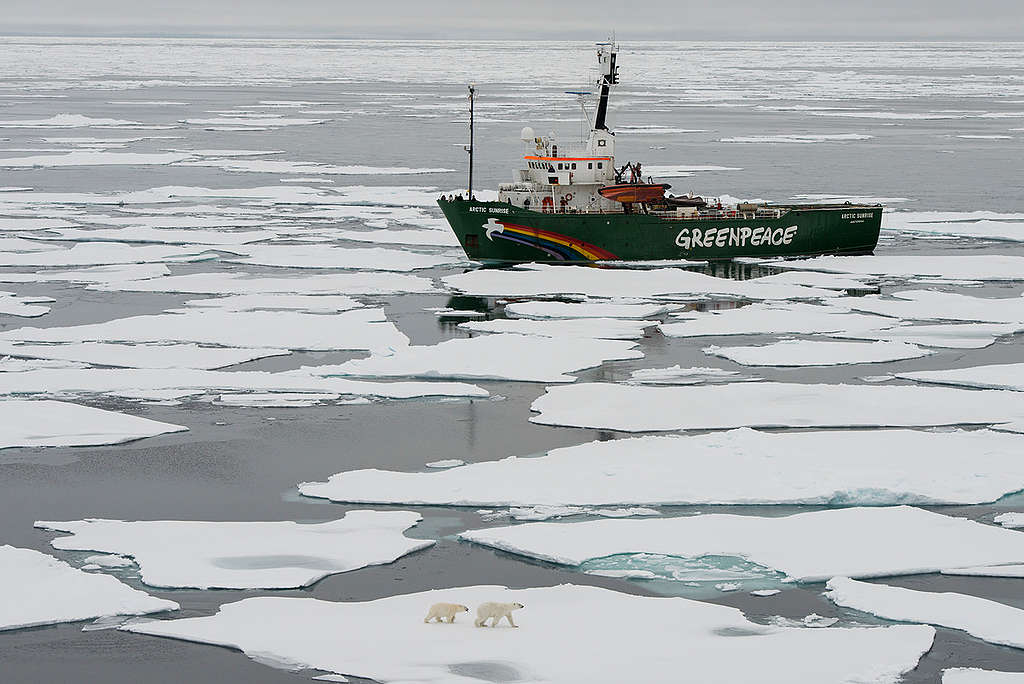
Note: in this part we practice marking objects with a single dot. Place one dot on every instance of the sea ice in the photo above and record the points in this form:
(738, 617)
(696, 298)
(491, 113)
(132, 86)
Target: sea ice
(425, 237)
(1010, 519)
(594, 328)
(160, 384)
(276, 399)
(983, 267)
(588, 309)
(817, 353)
(221, 283)
(116, 273)
(93, 158)
(140, 355)
(808, 547)
(503, 356)
(278, 302)
(43, 423)
(943, 306)
(972, 675)
(975, 224)
(1006, 376)
(950, 336)
(989, 621)
(798, 138)
(71, 121)
(633, 408)
(165, 236)
(676, 375)
(320, 256)
(12, 304)
(246, 555)
(29, 224)
(40, 590)
(534, 280)
(773, 318)
(387, 641)
(988, 571)
(739, 467)
(108, 561)
(361, 329)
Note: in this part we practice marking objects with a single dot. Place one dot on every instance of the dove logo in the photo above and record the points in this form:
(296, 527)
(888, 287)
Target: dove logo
(491, 227)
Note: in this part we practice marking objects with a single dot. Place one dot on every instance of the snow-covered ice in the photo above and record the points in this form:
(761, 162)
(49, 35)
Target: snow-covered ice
(975, 224)
(996, 623)
(278, 302)
(92, 158)
(246, 555)
(221, 283)
(983, 267)
(363, 329)
(140, 355)
(743, 467)
(798, 138)
(503, 356)
(40, 590)
(817, 353)
(973, 675)
(676, 375)
(946, 335)
(426, 237)
(595, 328)
(808, 547)
(1006, 376)
(386, 640)
(634, 408)
(164, 236)
(773, 318)
(1015, 570)
(13, 304)
(320, 256)
(25, 423)
(161, 384)
(944, 306)
(1011, 519)
(588, 309)
(106, 253)
(277, 399)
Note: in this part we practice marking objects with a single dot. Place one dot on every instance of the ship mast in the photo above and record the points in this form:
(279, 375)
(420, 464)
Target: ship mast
(606, 53)
(472, 97)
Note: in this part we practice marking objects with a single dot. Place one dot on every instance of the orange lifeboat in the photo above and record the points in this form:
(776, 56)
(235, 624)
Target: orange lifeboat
(628, 193)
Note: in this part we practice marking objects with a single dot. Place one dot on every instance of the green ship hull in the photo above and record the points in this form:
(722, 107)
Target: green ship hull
(501, 232)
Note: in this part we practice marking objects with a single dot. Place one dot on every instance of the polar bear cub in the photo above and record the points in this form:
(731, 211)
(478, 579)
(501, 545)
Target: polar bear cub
(440, 611)
(494, 612)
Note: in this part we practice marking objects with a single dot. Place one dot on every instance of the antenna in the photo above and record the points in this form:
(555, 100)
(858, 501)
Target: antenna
(581, 98)
(472, 98)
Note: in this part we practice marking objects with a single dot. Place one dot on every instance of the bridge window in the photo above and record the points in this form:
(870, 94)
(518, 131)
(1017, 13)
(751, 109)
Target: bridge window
(574, 166)
(600, 165)
(590, 165)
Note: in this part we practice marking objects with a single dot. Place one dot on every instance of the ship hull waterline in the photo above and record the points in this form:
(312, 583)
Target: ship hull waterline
(502, 233)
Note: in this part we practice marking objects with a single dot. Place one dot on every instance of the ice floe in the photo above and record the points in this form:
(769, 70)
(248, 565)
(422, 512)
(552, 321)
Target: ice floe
(975, 224)
(160, 384)
(818, 353)
(596, 328)
(46, 423)
(29, 223)
(503, 356)
(116, 273)
(387, 641)
(140, 355)
(93, 158)
(363, 328)
(534, 280)
(221, 283)
(165, 236)
(873, 467)
(774, 318)
(982, 267)
(996, 623)
(807, 547)
(106, 253)
(1010, 519)
(798, 138)
(41, 590)
(13, 304)
(932, 305)
(632, 408)
(278, 399)
(319, 256)
(973, 675)
(254, 123)
(676, 375)
(281, 166)
(589, 309)
(425, 237)
(71, 121)
(1016, 570)
(278, 302)
(246, 555)
(1005, 376)
(950, 336)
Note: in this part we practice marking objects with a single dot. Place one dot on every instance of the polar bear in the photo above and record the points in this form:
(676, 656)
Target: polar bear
(440, 611)
(494, 612)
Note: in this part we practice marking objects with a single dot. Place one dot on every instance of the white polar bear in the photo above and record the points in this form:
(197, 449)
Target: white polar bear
(495, 611)
(440, 611)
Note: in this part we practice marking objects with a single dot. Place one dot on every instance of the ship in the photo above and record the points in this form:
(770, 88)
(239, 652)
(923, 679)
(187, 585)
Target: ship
(571, 203)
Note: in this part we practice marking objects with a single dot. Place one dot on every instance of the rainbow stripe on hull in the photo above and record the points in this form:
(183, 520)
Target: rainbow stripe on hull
(559, 247)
